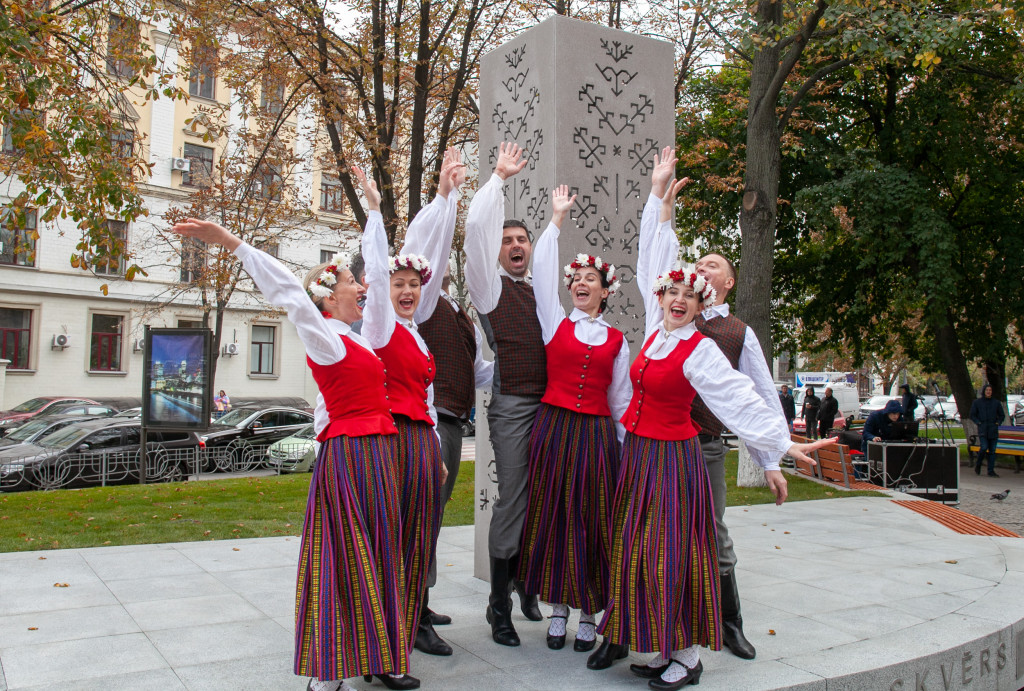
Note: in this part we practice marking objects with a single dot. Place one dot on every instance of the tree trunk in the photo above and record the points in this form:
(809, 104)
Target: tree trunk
(421, 79)
(748, 473)
(955, 365)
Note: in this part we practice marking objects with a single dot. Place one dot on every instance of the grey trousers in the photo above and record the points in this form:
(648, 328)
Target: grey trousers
(714, 459)
(451, 454)
(510, 419)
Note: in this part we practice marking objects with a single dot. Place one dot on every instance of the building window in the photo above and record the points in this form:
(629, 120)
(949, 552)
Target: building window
(15, 335)
(23, 122)
(18, 240)
(262, 353)
(269, 183)
(272, 98)
(327, 255)
(105, 343)
(202, 74)
(113, 263)
(200, 173)
(332, 194)
(193, 260)
(122, 143)
(122, 40)
(190, 324)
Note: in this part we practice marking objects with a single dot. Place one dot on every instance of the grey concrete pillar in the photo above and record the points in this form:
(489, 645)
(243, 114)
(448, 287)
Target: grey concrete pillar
(591, 106)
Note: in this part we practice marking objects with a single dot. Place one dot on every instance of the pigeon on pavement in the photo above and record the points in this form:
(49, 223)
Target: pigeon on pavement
(1001, 495)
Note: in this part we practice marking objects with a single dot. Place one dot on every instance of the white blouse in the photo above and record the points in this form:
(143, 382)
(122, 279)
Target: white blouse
(547, 281)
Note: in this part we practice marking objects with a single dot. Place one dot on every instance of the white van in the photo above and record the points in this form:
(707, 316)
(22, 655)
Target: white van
(846, 397)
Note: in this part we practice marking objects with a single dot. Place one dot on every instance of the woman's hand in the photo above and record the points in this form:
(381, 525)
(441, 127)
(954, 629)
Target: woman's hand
(561, 203)
(800, 451)
(664, 170)
(369, 189)
(668, 201)
(453, 173)
(444, 473)
(207, 231)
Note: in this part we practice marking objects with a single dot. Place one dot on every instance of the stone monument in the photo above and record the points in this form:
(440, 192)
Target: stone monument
(590, 106)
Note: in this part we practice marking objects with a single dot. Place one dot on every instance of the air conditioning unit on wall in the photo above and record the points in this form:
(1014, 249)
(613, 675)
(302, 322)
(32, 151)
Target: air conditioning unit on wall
(182, 164)
(61, 341)
(138, 345)
(231, 349)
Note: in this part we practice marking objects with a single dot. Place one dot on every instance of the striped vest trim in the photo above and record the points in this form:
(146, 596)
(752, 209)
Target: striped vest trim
(728, 333)
(452, 341)
(514, 335)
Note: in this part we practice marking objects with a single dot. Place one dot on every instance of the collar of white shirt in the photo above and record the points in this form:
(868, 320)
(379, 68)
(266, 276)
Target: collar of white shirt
(451, 301)
(579, 315)
(717, 311)
(407, 322)
(683, 333)
(528, 278)
(339, 327)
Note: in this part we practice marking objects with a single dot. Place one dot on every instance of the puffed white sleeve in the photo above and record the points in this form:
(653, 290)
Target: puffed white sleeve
(731, 397)
(378, 312)
(282, 289)
(658, 249)
(753, 364)
(483, 244)
(430, 234)
(620, 391)
(483, 369)
(547, 278)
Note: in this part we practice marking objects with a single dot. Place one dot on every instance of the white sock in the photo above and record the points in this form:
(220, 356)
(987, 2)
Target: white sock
(689, 657)
(317, 685)
(657, 661)
(559, 613)
(587, 630)
(675, 672)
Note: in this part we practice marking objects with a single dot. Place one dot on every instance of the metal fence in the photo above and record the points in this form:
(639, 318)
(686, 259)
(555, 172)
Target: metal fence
(58, 470)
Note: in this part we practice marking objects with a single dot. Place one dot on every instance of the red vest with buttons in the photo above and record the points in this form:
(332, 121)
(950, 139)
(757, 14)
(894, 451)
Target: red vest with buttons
(408, 373)
(579, 374)
(353, 390)
(662, 397)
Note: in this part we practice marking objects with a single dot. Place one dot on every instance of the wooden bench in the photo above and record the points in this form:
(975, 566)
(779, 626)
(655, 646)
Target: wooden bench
(835, 465)
(1011, 442)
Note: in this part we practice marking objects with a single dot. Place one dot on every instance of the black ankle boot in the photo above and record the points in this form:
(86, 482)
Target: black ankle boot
(499, 604)
(427, 640)
(530, 604)
(732, 622)
(605, 656)
(406, 681)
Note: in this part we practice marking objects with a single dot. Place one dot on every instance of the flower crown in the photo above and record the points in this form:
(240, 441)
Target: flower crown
(606, 269)
(324, 283)
(416, 262)
(689, 277)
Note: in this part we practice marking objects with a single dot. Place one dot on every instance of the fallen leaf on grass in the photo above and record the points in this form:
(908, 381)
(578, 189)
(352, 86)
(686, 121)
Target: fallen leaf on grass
(207, 532)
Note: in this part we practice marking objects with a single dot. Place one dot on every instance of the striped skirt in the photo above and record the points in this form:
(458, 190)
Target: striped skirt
(664, 591)
(418, 474)
(349, 611)
(566, 545)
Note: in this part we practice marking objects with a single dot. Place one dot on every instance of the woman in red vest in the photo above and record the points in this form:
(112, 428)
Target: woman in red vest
(574, 446)
(350, 608)
(393, 295)
(664, 589)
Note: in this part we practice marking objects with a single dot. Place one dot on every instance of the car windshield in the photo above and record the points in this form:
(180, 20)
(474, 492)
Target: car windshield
(65, 438)
(131, 412)
(878, 400)
(234, 417)
(31, 406)
(306, 432)
(27, 430)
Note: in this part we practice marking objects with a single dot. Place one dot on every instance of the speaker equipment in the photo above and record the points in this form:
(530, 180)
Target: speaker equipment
(927, 469)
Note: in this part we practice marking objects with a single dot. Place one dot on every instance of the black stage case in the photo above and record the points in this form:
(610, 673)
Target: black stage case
(930, 470)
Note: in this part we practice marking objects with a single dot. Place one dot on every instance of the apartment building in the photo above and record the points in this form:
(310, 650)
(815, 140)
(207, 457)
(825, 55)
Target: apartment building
(62, 336)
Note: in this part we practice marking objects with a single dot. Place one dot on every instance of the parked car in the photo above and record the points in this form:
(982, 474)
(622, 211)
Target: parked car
(96, 452)
(946, 410)
(131, 414)
(294, 454)
(79, 409)
(1018, 413)
(238, 441)
(37, 428)
(846, 396)
(9, 419)
(878, 402)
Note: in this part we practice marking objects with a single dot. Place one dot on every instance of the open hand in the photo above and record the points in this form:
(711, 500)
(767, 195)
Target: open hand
(510, 160)
(561, 203)
(668, 201)
(800, 451)
(369, 189)
(453, 173)
(207, 231)
(664, 170)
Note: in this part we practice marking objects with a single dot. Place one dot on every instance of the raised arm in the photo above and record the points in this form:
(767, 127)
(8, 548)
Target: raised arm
(484, 229)
(378, 313)
(659, 246)
(547, 274)
(278, 285)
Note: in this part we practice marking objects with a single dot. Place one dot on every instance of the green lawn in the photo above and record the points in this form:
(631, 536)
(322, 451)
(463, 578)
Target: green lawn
(230, 508)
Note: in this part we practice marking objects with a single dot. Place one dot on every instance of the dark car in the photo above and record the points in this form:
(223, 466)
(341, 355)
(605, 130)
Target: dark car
(39, 427)
(9, 419)
(79, 409)
(96, 452)
(238, 441)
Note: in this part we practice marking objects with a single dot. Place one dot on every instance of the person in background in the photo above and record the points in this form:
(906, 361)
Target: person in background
(827, 413)
(788, 406)
(878, 426)
(908, 401)
(222, 404)
(810, 413)
(987, 414)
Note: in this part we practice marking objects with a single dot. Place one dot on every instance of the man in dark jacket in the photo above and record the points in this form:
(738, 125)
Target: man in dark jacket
(827, 413)
(909, 402)
(987, 414)
(788, 406)
(878, 426)
(810, 413)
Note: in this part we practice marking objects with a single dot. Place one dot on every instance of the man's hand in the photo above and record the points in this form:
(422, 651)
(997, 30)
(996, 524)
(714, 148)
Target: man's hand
(561, 203)
(444, 473)
(510, 160)
(777, 484)
(664, 170)
(369, 189)
(800, 451)
(207, 231)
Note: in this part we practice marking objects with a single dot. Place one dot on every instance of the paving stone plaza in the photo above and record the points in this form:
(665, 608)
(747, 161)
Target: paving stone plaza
(854, 593)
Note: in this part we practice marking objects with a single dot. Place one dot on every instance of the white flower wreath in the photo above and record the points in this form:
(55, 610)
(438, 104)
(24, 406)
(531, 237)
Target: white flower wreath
(416, 262)
(584, 260)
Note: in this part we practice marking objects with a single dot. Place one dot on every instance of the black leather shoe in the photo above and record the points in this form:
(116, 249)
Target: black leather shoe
(992, 475)
(692, 677)
(406, 681)
(582, 646)
(732, 622)
(438, 619)
(646, 671)
(530, 604)
(556, 642)
(605, 656)
(499, 605)
(427, 640)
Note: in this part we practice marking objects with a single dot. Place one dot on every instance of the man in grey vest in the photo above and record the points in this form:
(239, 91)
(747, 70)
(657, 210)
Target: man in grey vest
(739, 344)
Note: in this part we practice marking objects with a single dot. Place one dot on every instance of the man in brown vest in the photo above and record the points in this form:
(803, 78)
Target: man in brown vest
(497, 276)
(739, 344)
